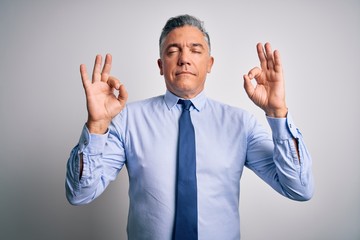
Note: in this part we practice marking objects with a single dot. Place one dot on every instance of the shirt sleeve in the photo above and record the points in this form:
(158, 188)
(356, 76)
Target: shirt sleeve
(103, 157)
(277, 162)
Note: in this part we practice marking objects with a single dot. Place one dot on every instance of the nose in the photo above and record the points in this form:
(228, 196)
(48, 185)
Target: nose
(184, 58)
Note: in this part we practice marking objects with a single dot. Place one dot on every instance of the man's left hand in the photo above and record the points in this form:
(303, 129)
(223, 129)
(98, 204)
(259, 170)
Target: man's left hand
(269, 91)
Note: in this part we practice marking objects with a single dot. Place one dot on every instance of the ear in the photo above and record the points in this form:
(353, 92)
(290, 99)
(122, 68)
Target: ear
(160, 64)
(210, 64)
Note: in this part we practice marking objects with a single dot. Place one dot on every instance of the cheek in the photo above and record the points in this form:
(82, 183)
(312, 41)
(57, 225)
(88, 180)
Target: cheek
(168, 69)
(167, 73)
(204, 69)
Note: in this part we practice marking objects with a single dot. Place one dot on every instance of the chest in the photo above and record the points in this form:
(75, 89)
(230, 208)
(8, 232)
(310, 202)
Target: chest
(151, 147)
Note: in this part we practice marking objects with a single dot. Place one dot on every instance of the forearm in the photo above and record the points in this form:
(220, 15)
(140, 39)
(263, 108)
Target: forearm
(282, 113)
(79, 190)
(283, 160)
(292, 161)
(293, 172)
(91, 166)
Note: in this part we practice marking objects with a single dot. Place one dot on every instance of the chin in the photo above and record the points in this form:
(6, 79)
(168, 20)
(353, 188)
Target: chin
(187, 92)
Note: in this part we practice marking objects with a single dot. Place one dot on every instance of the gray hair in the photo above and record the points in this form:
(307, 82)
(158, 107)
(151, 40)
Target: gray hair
(180, 21)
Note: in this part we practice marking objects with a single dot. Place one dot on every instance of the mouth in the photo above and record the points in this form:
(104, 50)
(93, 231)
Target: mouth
(184, 73)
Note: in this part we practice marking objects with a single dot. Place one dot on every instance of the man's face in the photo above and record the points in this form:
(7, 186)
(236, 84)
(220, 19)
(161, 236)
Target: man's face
(185, 61)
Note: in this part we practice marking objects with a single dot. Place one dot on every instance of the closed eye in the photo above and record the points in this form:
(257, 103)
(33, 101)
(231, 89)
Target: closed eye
(196, 51)
(172, 49)
(197, 48)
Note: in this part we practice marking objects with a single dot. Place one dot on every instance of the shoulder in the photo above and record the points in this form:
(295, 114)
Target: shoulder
(214, 105)
(144, 105)
(144, 108)
(227, 115)
(138, 110)
(145, 102)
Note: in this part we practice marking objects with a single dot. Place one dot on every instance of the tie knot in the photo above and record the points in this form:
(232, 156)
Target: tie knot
(185, 103)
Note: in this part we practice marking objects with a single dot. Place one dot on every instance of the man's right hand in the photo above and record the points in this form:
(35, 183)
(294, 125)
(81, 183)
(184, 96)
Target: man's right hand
(102, 103)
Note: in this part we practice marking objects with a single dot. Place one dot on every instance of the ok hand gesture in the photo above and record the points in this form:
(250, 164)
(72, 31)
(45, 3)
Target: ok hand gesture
(102, 103)
(269, 91)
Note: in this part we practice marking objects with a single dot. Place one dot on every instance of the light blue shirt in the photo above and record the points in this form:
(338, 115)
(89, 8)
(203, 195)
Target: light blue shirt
(144, 138)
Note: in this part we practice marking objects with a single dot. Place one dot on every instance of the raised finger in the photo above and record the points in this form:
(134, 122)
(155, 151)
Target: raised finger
(269, 56)
(106, 69)
(97, 69)
(84, 75)
(262, 56)
(277, 61)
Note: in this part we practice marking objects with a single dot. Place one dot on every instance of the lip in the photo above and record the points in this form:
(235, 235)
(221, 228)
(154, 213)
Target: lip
(183, 73)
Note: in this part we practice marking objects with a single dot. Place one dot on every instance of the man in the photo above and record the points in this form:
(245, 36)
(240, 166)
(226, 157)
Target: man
(146, 137)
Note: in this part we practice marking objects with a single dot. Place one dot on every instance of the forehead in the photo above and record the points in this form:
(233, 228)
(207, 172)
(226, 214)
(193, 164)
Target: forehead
(184, 35)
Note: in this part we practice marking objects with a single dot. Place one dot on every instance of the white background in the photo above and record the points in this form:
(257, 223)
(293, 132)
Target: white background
(42, 106)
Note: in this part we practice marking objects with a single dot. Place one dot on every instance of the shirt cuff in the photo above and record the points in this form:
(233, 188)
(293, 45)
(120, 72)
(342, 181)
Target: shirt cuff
(283, 128)
(92, 144)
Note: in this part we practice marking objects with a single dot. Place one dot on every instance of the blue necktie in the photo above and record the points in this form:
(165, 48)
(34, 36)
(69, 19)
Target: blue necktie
(186, 220)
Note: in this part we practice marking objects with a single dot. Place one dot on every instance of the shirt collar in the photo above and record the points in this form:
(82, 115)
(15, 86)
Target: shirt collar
(198, 101)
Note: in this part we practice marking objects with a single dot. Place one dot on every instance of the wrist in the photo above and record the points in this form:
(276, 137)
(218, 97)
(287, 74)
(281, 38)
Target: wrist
(277, 113)
(97, 127)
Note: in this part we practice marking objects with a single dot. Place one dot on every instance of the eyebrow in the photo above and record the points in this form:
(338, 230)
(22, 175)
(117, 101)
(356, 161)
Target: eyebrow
(197, 45)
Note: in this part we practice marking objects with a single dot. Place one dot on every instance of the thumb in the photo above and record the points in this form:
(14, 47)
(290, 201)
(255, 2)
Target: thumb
(248, 86)
(123, 95)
